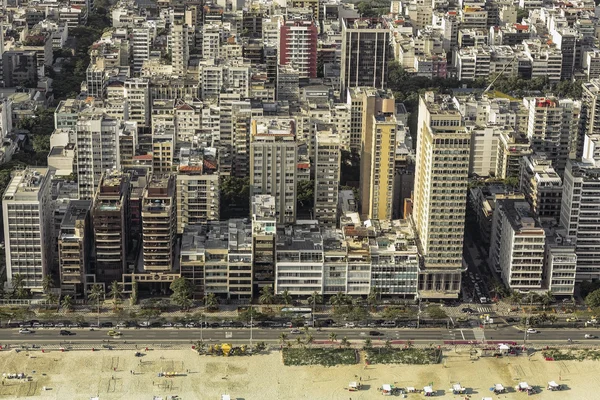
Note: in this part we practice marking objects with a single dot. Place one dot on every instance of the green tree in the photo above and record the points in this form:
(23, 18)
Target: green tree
(266, 295)
(547, 298)
(388, 344)
(286, 297)
(436, 312)
(305, 195)
(234, 196)
(133, 298)
(67, 303)
(339, 299)
(368, 344)
(116, 292)
(211, 301)
(593, 299)
(96, 296)
(345, 342)
(332, 337)
(18, 285)
(47, 284)
(309, 339)
(283, 338)
(182, 293)
(516, 297)
(373, 297)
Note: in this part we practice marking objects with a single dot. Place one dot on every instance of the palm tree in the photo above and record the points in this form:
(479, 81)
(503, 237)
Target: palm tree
(515, 297)
(211, 301)
(532, 297)
(266, 295)
(333, 337)
(338, 299)
(388, 344)
(368, 344)
(345, 342)
(547, 299)
(47, 284)
(309, 339)
(200, 346)
(315, 298)
(18, 284)
(67, 303)
(96, 295)
(116, 291)
(286, 297)
(299, 342)
(373, 297)
(283, 338)
(51, 298)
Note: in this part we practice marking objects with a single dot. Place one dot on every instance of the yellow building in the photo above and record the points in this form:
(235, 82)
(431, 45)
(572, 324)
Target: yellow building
(383, 145)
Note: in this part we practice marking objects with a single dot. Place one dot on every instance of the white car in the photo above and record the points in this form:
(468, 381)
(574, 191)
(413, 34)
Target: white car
(531, 330)
(588, 336)
(25, 331)
(350, 325)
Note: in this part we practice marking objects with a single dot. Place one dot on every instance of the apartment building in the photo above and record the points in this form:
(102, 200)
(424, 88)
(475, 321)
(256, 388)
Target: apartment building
(273, 157)
(97, 140)
(197, 190)
(159, 224)
(542, 187)
(484, 150)
(561, 264)
(298, 46)
(590, 112)
(512, 147)
(442, 168)
(365, 53)
(74, 248)
(180, 51)
(299, 259)
(264, 229)
(140, 46)
(554, 128)
(110, 222)
(27, 218)
(579, 215)
(383, 158)
(327, 177)
(517, 245)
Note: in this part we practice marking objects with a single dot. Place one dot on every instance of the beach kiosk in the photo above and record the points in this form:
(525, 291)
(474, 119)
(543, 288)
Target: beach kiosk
(553, 386)
(386, 389)
(524, 387)
(354, 386)
(499, 389)
(428, 390)
(458, 389)
(225, 397)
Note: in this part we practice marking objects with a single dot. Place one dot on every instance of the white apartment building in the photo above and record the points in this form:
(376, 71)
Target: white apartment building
(97, 146)
(140, 46)
(180, 51)
(546, 60)
(517, 245)
(580, 215)
(561, 265)
(327, 177)
(299, 259)
(554, 128)
(211, 41)
(27, 218)
(273, 157)
(542, 187)
(484, 150)
(137, 93)
(440, 191)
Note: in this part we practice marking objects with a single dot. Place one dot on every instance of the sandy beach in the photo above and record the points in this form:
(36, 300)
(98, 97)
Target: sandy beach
(108, 374)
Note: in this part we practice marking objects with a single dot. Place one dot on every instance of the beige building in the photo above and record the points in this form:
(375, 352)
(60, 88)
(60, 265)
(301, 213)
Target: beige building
(440, 191)
(383, 151)
(327, 177)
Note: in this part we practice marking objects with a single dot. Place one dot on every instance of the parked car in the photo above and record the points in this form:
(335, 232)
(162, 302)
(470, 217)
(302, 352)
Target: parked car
(350, 325)
(572, 319)
(106, 325)
(121, 325)
(167, 325)
(178, 325)
(59, 325)
(388, 324)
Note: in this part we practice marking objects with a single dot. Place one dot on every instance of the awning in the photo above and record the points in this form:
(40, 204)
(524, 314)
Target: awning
(386, 387)
(428, 389)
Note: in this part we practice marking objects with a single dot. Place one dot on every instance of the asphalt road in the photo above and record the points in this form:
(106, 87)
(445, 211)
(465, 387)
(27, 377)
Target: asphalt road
(174, 335)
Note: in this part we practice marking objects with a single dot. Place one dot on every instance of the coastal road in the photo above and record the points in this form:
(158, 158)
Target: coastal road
(174, 335)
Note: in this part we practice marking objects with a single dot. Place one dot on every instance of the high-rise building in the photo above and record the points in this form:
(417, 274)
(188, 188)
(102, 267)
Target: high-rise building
(298, 46)
(159, 224)
(542, 187)
(110, 219)
(74, 247)
(442, 167)
(327, 177)
(97, 149)
(140, 46)
(517, 245)
(365, 53)
(27, 217)
(180, 51)
(264, 228)
(197, 190)
(383, 159)
(554, 128)
(590, 112)
(274, 157)
(580, 216)
(374, 103)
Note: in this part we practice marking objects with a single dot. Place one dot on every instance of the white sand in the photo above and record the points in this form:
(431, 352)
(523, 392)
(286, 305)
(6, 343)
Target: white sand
(83, 374)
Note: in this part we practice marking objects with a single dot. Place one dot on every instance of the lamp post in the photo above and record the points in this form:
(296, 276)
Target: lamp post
(251, 324)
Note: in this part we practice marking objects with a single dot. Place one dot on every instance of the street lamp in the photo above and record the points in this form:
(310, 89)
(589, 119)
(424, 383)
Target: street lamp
(251, 324)
(419, 314)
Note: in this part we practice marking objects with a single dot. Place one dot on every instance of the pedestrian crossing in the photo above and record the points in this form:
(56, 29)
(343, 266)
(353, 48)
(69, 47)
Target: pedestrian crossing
(484, 309)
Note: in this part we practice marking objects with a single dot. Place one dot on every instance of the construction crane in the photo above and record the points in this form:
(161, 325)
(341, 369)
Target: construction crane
(487, 89)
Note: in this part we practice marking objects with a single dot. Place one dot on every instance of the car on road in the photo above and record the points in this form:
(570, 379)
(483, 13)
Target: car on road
(66, 333)
(350, 325)
(467, 310)
(25, 331)
(295, 331)
(589, 336)
(113, 333)
(531, 330)
(462, 319)
(572, 319)
(376, 333)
